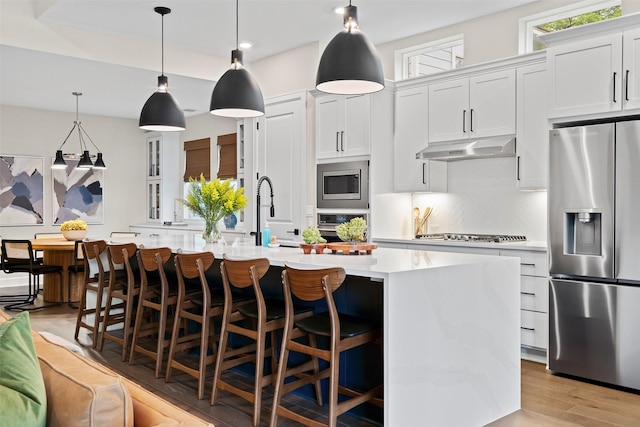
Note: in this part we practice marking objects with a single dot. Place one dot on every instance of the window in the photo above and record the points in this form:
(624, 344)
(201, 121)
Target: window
(440, 55)
(228, 156)
(581, 13)
(198, 156)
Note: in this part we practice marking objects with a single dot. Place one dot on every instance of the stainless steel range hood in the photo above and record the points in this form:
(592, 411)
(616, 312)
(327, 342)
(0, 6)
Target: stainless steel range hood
(479, 148)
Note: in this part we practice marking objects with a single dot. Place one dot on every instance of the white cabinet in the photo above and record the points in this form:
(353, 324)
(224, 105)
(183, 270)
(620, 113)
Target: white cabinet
(343, 126)
(534, 302)
(595, 75)
(532, 130)
(411, 132)
(279, 154)
(473, 107)
(162, 177)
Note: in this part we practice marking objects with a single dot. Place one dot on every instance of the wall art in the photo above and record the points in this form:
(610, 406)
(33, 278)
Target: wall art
(77, 194)
(21, 190)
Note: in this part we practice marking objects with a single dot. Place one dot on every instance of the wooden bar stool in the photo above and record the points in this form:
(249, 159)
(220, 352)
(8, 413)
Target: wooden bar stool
(199, 303)
(95, 280)
(157, 296)
(255, 321)
(124, 285)
(344, 332)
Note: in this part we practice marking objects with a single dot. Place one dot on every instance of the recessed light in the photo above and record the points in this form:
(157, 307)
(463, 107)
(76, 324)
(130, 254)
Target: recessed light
(245, 45)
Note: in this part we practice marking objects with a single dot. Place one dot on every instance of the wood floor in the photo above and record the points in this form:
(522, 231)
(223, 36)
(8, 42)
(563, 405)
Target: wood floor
(547, 400)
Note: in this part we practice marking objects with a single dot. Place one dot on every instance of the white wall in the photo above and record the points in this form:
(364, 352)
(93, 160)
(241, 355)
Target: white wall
(33, 132)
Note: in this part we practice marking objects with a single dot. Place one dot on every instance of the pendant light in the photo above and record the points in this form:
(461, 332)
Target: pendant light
(161, 112)
(350, 63)
(85, 158)
(237, 93)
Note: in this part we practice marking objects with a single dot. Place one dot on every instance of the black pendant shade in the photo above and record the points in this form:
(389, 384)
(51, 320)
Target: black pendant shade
(162, 112)
(350, 63)
(237, 93)
(85, 161)
(59, 162)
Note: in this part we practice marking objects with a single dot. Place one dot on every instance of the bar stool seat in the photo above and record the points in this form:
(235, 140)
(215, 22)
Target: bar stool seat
(345, 332)
(96, 281)
(254, 321)
(200, 307)
(124, 285)
(158, 296)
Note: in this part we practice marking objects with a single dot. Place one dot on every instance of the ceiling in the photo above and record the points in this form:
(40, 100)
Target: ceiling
(35, 77)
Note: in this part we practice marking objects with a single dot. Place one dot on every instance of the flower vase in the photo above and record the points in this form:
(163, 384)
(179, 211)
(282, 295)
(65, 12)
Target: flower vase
(211, 232)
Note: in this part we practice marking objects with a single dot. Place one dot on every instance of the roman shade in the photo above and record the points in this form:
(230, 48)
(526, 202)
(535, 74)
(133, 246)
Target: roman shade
(227, 165)
(198, 155)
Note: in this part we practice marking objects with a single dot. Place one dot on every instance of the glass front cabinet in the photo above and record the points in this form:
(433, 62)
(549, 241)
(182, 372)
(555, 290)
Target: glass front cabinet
(162, 177)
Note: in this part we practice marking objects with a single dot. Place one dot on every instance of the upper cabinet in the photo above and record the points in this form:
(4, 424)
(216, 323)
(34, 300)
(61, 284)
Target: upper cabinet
(532, 133)
(162, 176)
(473, 107)
(343, 124)
(411, 133)
(595, 69)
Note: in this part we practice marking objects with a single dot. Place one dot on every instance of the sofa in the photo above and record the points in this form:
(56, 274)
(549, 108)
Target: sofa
(64, 388)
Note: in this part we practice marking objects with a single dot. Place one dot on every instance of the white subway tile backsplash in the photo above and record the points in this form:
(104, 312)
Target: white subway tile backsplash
(483, 198)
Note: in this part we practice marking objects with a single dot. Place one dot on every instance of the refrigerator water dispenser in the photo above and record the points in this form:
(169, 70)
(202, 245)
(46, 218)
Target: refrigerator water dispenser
(583, 233)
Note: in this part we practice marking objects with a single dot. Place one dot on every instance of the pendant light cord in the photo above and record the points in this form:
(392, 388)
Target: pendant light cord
(237, 37)
(162, 44)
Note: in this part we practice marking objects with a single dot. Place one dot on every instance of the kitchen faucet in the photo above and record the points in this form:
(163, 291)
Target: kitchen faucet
(272, 211)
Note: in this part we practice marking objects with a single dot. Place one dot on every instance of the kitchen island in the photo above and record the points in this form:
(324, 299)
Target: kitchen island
(451, 326)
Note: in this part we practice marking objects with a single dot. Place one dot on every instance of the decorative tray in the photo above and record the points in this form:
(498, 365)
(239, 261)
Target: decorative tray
(351, 248)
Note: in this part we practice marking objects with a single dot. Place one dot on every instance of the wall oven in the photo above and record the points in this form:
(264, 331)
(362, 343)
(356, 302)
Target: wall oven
(328, 223)
(343, 185)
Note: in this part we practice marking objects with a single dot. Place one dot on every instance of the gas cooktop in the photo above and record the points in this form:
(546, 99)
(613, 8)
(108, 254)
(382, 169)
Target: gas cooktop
(461, 237)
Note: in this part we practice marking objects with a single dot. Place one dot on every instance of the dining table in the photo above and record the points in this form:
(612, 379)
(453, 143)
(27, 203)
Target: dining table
(58, 251)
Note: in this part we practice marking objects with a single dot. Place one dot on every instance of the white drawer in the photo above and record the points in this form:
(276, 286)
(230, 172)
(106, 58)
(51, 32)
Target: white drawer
(534, 293)
(531, 263)
(534, 331)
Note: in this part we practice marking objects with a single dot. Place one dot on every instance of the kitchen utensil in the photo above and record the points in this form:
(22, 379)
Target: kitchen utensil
(416, 219)
(422, 221)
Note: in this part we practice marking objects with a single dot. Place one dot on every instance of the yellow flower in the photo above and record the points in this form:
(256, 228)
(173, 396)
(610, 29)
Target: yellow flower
(75, 224)
(213, 200)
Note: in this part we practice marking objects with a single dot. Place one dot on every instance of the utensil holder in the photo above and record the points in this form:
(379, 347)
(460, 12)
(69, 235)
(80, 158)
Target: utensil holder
(420, 226)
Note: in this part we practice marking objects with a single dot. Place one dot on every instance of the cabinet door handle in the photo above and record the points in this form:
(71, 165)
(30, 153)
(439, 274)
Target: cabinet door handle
(423, 174)
(533, 294)
(295, 231)
(342, 141)
(471, 121)
(337, 141)
(626, 86)
(527, 329)
(528, 264)
(518, 168)
(614, 86)
(464, 121)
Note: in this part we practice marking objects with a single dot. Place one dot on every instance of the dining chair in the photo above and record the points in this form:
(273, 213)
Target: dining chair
(121, 234)
(255, 320)
(18, 256)
(344, 332)
(46, 236)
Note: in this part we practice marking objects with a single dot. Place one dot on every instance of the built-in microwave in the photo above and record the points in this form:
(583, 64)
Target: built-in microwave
(343, 185)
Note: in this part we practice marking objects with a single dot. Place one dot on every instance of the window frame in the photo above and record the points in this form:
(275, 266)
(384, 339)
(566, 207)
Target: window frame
(402, 55)
(526, 23)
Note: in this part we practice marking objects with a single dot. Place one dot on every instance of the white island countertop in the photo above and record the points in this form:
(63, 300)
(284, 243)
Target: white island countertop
(451, 326)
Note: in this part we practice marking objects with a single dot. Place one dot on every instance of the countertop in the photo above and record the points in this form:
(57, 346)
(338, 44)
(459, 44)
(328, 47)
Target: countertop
(540, 246)
(380, 263)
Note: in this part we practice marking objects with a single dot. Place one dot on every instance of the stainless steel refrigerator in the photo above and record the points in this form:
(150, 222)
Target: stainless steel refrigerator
(594, 252)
